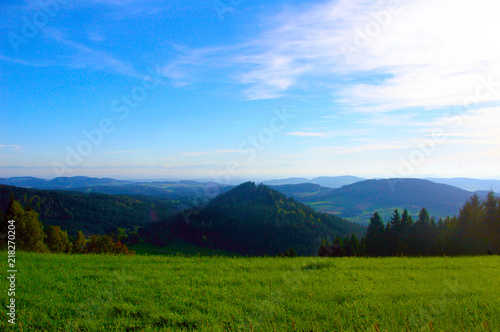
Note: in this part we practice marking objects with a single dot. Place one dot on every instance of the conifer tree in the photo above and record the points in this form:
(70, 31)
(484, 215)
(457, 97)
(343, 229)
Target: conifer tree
(375, 236)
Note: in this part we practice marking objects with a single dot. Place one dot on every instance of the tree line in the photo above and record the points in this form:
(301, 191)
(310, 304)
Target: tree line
(475, 231)
(30, 235)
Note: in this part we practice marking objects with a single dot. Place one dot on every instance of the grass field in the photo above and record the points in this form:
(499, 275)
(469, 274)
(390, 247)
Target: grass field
(57, 292)
(177, 247)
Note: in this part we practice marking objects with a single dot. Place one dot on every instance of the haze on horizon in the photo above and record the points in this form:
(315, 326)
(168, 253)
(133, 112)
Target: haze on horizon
(249, 89)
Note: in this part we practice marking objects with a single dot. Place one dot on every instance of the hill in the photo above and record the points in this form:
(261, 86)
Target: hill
(302, 190)
(256, 220)
(360, 200)
(324, 181)
(59, 183)
(336, 181)
(89, 212)
(278, 182)
(168, 190)
(470, 184)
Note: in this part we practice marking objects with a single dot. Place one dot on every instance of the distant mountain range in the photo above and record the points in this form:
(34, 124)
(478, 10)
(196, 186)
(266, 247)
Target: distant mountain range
(360, 200)
(470, 184)
(165, 189)
(324, 181)
(349, 197)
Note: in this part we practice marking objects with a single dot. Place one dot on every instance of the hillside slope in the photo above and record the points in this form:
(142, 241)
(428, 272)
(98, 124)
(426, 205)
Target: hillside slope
(257, 220)
(360, 200)
(89, 212)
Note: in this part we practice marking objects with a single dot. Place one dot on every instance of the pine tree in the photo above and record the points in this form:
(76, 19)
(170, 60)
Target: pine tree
(491, 221)
(375, 236)
(355, 246)
(470, 219)
(405, 237)
(393, 231)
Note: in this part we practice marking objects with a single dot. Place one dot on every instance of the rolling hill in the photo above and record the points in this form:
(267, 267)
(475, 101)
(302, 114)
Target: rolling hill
(165, 189)
(324, 181)
(91, 213)
(256, 220)
(360, 200)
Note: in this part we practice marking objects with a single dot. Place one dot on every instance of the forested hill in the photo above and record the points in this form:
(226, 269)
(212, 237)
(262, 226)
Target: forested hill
(360, 200)
(91, 213)
(257, 220)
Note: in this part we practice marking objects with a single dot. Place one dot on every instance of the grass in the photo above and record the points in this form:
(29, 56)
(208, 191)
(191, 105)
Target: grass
(57, 292)
(177, 247)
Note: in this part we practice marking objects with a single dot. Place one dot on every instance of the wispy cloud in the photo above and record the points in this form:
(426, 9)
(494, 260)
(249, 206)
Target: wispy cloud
(87, 57)
(123, 152)
(216, 152)
(30, 63)
(410, 64)
(306, 134)
(11, 147)
(330, 133)
(360, 148)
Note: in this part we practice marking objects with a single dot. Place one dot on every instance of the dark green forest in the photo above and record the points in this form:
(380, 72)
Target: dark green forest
(255, 220)
(21, 229)
(249, 219)
(91, 212)
(475, 231)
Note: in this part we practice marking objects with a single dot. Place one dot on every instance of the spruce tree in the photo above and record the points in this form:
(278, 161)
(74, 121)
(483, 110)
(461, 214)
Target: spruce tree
(375, 236)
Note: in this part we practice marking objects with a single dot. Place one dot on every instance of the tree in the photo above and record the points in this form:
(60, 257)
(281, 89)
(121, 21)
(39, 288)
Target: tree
(29, 229)
(79, 243)
(57, 240)
(491, 222)
(394, 232)
(375, 236)
(469, 223)
(30, 234)
(405, 233)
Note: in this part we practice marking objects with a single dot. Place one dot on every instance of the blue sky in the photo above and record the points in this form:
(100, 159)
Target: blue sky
(234, 89)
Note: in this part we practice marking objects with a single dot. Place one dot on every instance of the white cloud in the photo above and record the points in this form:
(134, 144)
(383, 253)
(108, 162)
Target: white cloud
(91, 58)
(306, 134)
(356, 149)
(203, 153)
(11, 147)
(422, 53)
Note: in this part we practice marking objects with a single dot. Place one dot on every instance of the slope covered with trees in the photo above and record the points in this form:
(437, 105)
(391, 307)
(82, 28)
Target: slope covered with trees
(21, 229)
(475, 231)
(256, 220)
(92, 213)
(360, 200)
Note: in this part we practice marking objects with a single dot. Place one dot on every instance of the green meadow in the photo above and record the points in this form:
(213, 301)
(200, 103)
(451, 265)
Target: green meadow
(59, 292)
